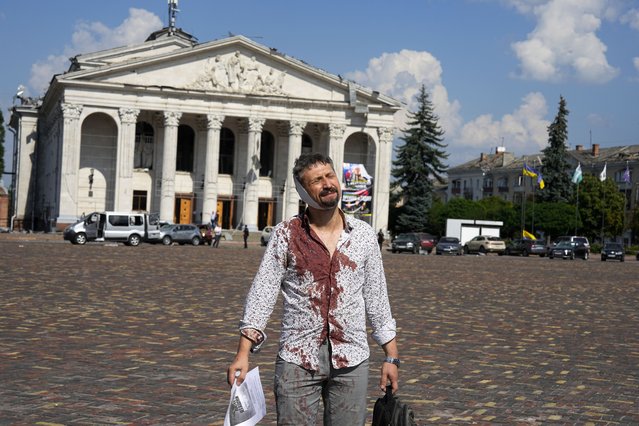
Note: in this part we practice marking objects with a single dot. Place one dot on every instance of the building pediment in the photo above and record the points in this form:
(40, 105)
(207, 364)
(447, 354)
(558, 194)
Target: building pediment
(234, 65)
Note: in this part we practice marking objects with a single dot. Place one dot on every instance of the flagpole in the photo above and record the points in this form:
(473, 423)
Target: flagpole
(577, 209)
(532, 225)
(523, 211)
(625, 204)
(576, 179)
(603, 212)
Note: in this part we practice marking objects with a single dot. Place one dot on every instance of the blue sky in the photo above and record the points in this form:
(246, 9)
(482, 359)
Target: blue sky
(494, 68)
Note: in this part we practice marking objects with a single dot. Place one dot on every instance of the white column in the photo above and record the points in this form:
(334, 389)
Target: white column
(124, 166)
(213, 127)
(292, 200)
(71, 142)
(382, 180)
(169, 154)
(336, 148)
(251, 188)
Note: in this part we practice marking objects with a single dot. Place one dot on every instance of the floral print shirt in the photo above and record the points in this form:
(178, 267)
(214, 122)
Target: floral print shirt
(324, 297)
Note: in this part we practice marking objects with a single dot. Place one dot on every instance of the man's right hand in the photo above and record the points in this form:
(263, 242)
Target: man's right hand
(240, 363)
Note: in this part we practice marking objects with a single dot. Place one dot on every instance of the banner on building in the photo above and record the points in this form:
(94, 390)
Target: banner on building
(357, 192)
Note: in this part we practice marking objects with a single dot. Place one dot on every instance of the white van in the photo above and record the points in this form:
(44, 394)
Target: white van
(129, 228)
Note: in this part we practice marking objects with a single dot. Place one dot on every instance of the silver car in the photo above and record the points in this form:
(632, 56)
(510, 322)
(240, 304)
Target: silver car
(449, 245)
(181, 234)
(485, 244)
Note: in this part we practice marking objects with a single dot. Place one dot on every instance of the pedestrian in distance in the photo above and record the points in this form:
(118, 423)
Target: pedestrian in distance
(329, 268)
(218, 235)
(380, 239)
(245, 234)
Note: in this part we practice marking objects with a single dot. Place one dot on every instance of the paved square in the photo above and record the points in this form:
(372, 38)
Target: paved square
(106, 334)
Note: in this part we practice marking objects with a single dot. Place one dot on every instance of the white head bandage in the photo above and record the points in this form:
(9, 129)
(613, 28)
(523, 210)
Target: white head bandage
(306, 197)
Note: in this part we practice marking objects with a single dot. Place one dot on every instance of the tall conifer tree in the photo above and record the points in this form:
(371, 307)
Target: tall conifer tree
(420, 160)
(556, 170)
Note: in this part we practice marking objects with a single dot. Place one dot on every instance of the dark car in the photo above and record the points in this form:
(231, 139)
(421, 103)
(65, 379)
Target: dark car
(613, 251)
(427, 241)
(525, 247)
(449, 245)
(406, 242)
(569, 250)
(582, 246)
(206, 233)
(181, 234)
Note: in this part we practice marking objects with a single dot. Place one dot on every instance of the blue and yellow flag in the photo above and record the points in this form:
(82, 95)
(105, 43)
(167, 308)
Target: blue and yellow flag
(528, 235)
(529, 171)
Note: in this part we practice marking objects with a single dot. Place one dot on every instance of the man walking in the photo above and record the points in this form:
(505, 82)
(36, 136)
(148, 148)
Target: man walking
(329, 268)
(217, 231)
(245, 234)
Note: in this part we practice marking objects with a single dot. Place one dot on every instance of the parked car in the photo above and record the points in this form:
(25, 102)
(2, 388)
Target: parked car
(568, 250)
(581, 246)
(129, 228)
(206, 233)
(427, 241)
(181, 234)
(449, 245)
(406, 242)
(613, 251)
(485, 244)
(525, 247)
(266, 235)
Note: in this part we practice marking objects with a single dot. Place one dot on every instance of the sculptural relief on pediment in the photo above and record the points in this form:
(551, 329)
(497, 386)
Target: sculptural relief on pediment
(239, 74)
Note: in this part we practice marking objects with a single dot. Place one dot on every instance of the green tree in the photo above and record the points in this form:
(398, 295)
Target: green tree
(556, 168)
(437, 217)
(497, 209)
(420, 160)
(634, 225)
(555, 219)
(600, 203)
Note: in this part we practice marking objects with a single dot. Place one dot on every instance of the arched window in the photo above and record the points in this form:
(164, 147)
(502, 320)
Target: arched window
(185, 149)
(227, 151)
(143, 156)
(307, 144)
(266, 154)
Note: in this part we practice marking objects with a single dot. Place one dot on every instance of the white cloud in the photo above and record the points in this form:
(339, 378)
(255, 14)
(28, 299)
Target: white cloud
(635, 62)
(564, 42)
(631, 18)
(92, 37)
(597, 120)
(522, 132)
(400, 75)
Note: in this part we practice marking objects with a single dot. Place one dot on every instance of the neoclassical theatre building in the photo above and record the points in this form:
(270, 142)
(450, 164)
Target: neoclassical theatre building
(187, 129)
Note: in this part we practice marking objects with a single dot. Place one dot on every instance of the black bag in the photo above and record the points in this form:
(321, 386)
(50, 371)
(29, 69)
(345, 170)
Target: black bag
(390, 411)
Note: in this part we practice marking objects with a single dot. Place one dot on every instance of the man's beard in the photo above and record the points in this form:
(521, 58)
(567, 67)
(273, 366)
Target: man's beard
(330, 202)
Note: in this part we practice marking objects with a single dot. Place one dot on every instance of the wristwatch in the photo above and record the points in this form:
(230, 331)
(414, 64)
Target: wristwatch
(392, 360)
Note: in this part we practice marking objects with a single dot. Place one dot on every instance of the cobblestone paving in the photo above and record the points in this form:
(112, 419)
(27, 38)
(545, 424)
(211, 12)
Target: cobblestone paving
(109, 334)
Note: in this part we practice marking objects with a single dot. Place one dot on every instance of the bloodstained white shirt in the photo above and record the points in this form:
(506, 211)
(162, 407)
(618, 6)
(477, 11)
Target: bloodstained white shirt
(323, 296)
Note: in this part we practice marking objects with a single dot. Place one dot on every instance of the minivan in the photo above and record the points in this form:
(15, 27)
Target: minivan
(129, 228)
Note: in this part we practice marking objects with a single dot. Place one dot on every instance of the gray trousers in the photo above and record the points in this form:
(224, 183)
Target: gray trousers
(343, 392)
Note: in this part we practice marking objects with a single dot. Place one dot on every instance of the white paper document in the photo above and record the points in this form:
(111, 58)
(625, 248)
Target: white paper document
(247, 405)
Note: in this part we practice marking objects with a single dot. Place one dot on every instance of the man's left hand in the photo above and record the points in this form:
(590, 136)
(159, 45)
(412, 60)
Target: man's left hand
(390, 373)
